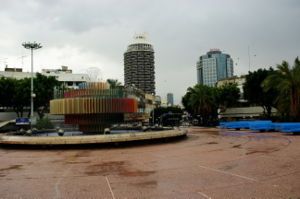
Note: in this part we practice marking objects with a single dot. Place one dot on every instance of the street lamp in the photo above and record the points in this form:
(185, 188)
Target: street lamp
(32, 46)
(154, 106)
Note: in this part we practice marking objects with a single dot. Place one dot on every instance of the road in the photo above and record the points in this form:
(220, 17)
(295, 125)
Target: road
(209, 163)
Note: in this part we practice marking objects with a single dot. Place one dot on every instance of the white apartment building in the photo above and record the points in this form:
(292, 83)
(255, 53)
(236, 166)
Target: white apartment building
(63, 75)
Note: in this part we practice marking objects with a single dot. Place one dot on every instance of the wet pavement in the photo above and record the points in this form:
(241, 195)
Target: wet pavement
(209, 163)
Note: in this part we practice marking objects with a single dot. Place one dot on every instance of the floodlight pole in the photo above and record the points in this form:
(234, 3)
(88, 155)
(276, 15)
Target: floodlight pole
(31, 46)
(31, 85)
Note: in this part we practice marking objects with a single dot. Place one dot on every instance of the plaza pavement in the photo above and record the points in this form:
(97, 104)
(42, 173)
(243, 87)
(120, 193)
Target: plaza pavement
(209, 163)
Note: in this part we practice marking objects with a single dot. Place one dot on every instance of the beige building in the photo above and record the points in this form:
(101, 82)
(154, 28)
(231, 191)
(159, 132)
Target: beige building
(235, 79)
(63, 75)
(244, 112)
(241, 112)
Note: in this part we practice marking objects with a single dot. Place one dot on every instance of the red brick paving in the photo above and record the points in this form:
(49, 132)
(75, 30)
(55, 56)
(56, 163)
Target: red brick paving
(208, 164)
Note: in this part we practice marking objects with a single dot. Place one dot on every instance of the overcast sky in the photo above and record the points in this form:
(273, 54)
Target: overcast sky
(96, 33)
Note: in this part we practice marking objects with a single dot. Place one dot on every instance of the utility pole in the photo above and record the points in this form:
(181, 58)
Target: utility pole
(249, 58)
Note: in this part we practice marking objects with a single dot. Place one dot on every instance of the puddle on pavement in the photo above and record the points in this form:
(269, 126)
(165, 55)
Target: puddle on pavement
(212, 143)
(263, 150)
(78, 162)
(206, 131)
(12, 167)
(56, 161)
(151, 183)
(237, 146)
(229, 167)
(115, 168)
(136, 173)
(285, 166)
(85, 153)
(105, 168)
(211, 132)
(215, 150)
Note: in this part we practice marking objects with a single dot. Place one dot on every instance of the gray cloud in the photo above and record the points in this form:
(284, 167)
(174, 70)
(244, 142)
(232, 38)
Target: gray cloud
(97, 33)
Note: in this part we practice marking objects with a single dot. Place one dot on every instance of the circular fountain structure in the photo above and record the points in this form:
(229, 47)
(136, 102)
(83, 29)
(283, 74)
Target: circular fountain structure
(94, 107)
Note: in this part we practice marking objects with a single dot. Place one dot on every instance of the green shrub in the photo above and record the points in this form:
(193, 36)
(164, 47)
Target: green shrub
(44, 123)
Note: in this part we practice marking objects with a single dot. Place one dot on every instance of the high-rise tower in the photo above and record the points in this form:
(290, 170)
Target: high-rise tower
(139, 65)
(214, 66)
(170, 99)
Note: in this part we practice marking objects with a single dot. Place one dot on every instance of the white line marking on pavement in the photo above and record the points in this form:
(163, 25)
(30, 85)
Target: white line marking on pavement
(232, 174)
(111, 191)
(204, 195)
(56, 186)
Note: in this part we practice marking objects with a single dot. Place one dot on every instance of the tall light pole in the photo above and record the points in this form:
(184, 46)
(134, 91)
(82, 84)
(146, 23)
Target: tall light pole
(32, 46)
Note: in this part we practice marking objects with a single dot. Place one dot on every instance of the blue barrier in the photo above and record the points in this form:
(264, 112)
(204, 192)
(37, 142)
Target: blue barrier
(295, 130)
(263, 125)
(222, 124)
(277, 126)
(289, 127)
(243, 124)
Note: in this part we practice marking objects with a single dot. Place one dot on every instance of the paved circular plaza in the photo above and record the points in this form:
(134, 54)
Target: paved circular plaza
(209, 163)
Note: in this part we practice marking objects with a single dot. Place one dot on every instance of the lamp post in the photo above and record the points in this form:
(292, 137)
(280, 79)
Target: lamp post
(32, 46)
(154, 106)
(153, 115)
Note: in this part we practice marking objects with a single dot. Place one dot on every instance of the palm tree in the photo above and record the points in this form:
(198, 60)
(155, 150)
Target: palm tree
(287, 81)
(114, 83)
(186, 100)
(203, 101)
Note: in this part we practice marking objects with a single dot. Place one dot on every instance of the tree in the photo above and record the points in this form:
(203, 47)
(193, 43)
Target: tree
(167, 115)
(114, 83)
(15, 93)
(228, 95)
(202, 100)
(254, 92)
(21, 96)
(7, 87)
(44, 90)
(186, 100)
(286, 80)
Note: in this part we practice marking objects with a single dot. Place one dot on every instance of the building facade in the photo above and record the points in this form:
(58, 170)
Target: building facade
(170, 99)
(214, 66)
(139, 65)
(240, 81)
(63, 75)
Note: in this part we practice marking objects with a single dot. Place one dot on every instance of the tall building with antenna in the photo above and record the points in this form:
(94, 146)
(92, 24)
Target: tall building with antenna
(139, 65)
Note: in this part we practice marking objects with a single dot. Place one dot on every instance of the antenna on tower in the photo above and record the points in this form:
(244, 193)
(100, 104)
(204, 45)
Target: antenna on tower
(4, 60)
(22, 60)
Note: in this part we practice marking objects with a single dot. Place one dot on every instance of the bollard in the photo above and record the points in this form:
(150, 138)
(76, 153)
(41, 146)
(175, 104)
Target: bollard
(106, 131)
(61, 132)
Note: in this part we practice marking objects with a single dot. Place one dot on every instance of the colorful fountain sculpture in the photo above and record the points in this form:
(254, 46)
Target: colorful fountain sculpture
(95, 106)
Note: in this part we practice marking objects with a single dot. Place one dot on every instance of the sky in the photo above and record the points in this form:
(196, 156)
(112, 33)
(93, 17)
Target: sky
(96, 33)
